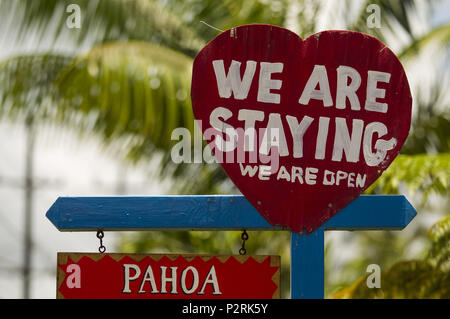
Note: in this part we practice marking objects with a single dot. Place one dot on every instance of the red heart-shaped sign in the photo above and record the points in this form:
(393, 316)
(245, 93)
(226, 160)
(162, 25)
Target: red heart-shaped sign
(302, 127)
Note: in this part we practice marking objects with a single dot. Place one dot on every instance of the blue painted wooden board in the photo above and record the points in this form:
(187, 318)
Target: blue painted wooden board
(307, 265)
(212, 213)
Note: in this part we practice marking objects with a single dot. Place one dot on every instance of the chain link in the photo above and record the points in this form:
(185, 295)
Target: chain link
(244, 237)
(100, 236)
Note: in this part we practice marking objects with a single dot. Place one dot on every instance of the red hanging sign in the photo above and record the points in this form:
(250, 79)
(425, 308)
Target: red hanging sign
(302, 127)
(137, 276)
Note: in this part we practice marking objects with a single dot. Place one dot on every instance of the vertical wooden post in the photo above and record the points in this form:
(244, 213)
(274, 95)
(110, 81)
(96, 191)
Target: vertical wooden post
(307, 265)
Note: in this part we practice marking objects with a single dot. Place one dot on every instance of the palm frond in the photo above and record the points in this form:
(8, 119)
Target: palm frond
(428, 278)
(133, 89)
(227, 14)
(440, 35)
(426, 174)
(392, 13)
(101, 21)
(26, 84)
(439, 253)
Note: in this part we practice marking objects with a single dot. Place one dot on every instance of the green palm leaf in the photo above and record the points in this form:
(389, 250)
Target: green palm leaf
(424, 173)
(101, 21)
(134, 89)
(428, 278)
(440, 35)
(26, 84)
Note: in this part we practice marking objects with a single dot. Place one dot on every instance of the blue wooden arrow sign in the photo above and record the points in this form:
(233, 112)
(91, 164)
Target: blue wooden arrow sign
(124, 213)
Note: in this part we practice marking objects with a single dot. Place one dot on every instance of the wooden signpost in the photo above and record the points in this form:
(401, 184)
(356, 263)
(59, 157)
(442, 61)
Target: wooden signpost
(230, 213)
(302, 127)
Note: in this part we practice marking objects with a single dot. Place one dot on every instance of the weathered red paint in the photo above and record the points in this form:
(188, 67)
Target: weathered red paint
(314, 196)
(137, 276)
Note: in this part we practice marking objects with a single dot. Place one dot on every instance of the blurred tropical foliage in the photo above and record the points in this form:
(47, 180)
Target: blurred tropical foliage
(125, 76)
(426, 278)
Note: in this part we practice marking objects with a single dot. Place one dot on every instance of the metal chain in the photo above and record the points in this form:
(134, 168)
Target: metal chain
(100, 236)
(244, 237)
